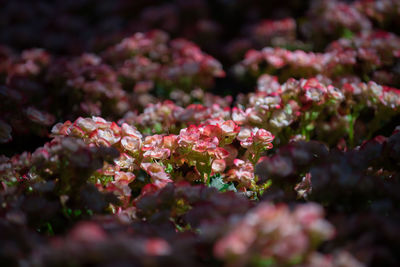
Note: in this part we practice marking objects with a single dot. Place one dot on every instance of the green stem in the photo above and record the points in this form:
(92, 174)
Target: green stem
(352, 119)
(304, 133)
(255, 157)
(208, 179)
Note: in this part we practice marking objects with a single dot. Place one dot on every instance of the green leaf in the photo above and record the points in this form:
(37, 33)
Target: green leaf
(218, 183)
(158, 127)
(169, 168)
(77, 213)
(147, 131)
(89, 212)
(288, 109)
(347, 33)
(314, 115)
(264, 262)
(366, 78)
(49, 229)
(296, 260)
(310, 127)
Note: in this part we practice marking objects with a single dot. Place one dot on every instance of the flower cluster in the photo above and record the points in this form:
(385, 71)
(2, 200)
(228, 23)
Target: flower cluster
(364, 178)
(111, 239)
(91, 86)
(21, 88)
(152, 59)
(82, 28)
(384, 12)
(50, 186)
(317, 108)
(275, 32)
(275, 233)
(124, 77)
(305, 108)
(168, 117)
(363, 55)
(206, 148)
(335, 19)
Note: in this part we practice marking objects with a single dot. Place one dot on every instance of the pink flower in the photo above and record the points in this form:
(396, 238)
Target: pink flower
(87, 232)
(131, 144)
(122, 181)
(76, 131)
(108, 135)
(212, 131)
(218, 165)
(229, 130)
(170, 142)
(188, 136)
(157, 153)
(206, 144)
(86, 124)
(61, 128)
(264, 138)
(157, 173)
(254, 138)
(101, 123)
(152, 141)
(40, 117)
(314, 91)
(238, 116)
(242, 172)
(157, 247)
(126, 162)
(271, 231)
(268, 84)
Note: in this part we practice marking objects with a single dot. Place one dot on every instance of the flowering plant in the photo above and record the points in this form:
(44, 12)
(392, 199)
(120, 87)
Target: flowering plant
(121, 144)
